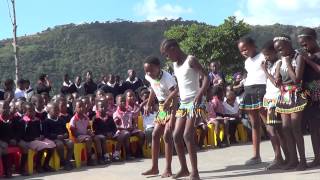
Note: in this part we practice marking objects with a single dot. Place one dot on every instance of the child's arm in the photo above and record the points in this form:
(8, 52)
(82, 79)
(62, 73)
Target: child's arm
(149, 103)
(205, 81)
(295, 74)
(277, 75)
(269, 76)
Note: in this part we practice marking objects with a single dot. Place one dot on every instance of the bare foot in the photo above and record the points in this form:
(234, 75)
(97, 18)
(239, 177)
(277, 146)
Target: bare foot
(167, 173)
(150, 172)
(194, 176)
(181, 173)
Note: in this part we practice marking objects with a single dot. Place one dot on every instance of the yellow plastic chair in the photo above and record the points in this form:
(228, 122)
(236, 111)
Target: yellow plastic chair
(241, 133)
(212, 139)
(140, 122)
(79, 149)
(30, 163)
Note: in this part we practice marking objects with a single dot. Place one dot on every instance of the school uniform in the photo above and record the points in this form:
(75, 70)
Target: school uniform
(124, 120)
(65, 117)
(104, 126)
(255, 83)
(54, 127)
(90, 87)
(114, 89)
(81, 127)
(30, 131)
(133, 85)
(230, 111)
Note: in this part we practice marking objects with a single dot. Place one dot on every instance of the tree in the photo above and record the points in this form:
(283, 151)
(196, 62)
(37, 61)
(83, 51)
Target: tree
(210, 43)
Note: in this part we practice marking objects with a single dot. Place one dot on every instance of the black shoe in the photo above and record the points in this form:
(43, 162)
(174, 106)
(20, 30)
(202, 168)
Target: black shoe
(24, 173)
(130, 158)
(91, 162)
(40, 170)
(68, 166)
(101, 161)
(48, 168)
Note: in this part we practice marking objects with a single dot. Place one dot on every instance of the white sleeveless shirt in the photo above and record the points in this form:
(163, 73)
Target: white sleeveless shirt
(188, 80)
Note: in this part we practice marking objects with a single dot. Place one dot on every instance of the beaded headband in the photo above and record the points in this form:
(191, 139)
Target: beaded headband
(281, 38)
(304, 35)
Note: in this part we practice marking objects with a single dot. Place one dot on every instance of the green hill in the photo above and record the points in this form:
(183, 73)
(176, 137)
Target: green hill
(110, 47)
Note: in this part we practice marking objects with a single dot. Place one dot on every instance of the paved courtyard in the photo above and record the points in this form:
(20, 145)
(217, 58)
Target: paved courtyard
(213, 164)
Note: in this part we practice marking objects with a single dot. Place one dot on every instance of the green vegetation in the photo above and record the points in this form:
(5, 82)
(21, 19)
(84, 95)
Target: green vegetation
(113, 47)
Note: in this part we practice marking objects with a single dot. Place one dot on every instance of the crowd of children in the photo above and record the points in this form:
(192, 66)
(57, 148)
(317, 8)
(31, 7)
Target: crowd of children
(281, 87)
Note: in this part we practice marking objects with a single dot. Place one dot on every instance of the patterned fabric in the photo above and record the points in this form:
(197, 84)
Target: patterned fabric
(292, 99)
(190, 111)
(162, 116)
(272, 115)
(253, 97)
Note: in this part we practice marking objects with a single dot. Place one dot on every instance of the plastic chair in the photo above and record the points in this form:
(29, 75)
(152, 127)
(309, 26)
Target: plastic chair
(80, 152)
(241, 133)
(205, 143)
(212, 139)
(140, 122)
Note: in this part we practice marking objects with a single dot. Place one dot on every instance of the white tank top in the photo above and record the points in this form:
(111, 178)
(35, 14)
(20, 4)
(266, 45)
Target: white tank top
(188, 80)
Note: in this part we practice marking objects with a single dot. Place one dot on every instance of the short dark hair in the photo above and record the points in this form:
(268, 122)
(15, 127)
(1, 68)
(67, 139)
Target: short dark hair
(247, 40)
(269, 46)
(308, 32)
(167, 43)
(152, 60)
(42, 76)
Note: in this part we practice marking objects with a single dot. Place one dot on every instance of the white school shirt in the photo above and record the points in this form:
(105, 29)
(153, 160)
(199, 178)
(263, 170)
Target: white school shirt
(272, 92)
(228, 109)
(148, 121)
(188, 80)
(19, 93)
(161, 87)
(255, 72)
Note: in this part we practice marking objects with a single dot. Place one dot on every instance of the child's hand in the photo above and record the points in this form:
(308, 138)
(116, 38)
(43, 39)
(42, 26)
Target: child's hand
(197, 100)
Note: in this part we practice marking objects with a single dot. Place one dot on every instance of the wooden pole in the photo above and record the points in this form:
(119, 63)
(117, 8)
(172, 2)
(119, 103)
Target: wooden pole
(15, 42)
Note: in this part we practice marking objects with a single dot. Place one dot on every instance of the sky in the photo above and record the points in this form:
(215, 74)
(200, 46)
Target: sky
(37, 15)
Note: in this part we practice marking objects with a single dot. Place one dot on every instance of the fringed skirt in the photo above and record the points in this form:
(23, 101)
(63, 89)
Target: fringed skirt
(253, 97)
(291, 100)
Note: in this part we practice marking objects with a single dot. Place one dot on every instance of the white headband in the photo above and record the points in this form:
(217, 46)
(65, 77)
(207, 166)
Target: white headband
(304, 35)
(281, 38)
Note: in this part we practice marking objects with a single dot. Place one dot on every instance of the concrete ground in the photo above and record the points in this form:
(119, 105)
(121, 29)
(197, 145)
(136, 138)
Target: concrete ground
(213, 164)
